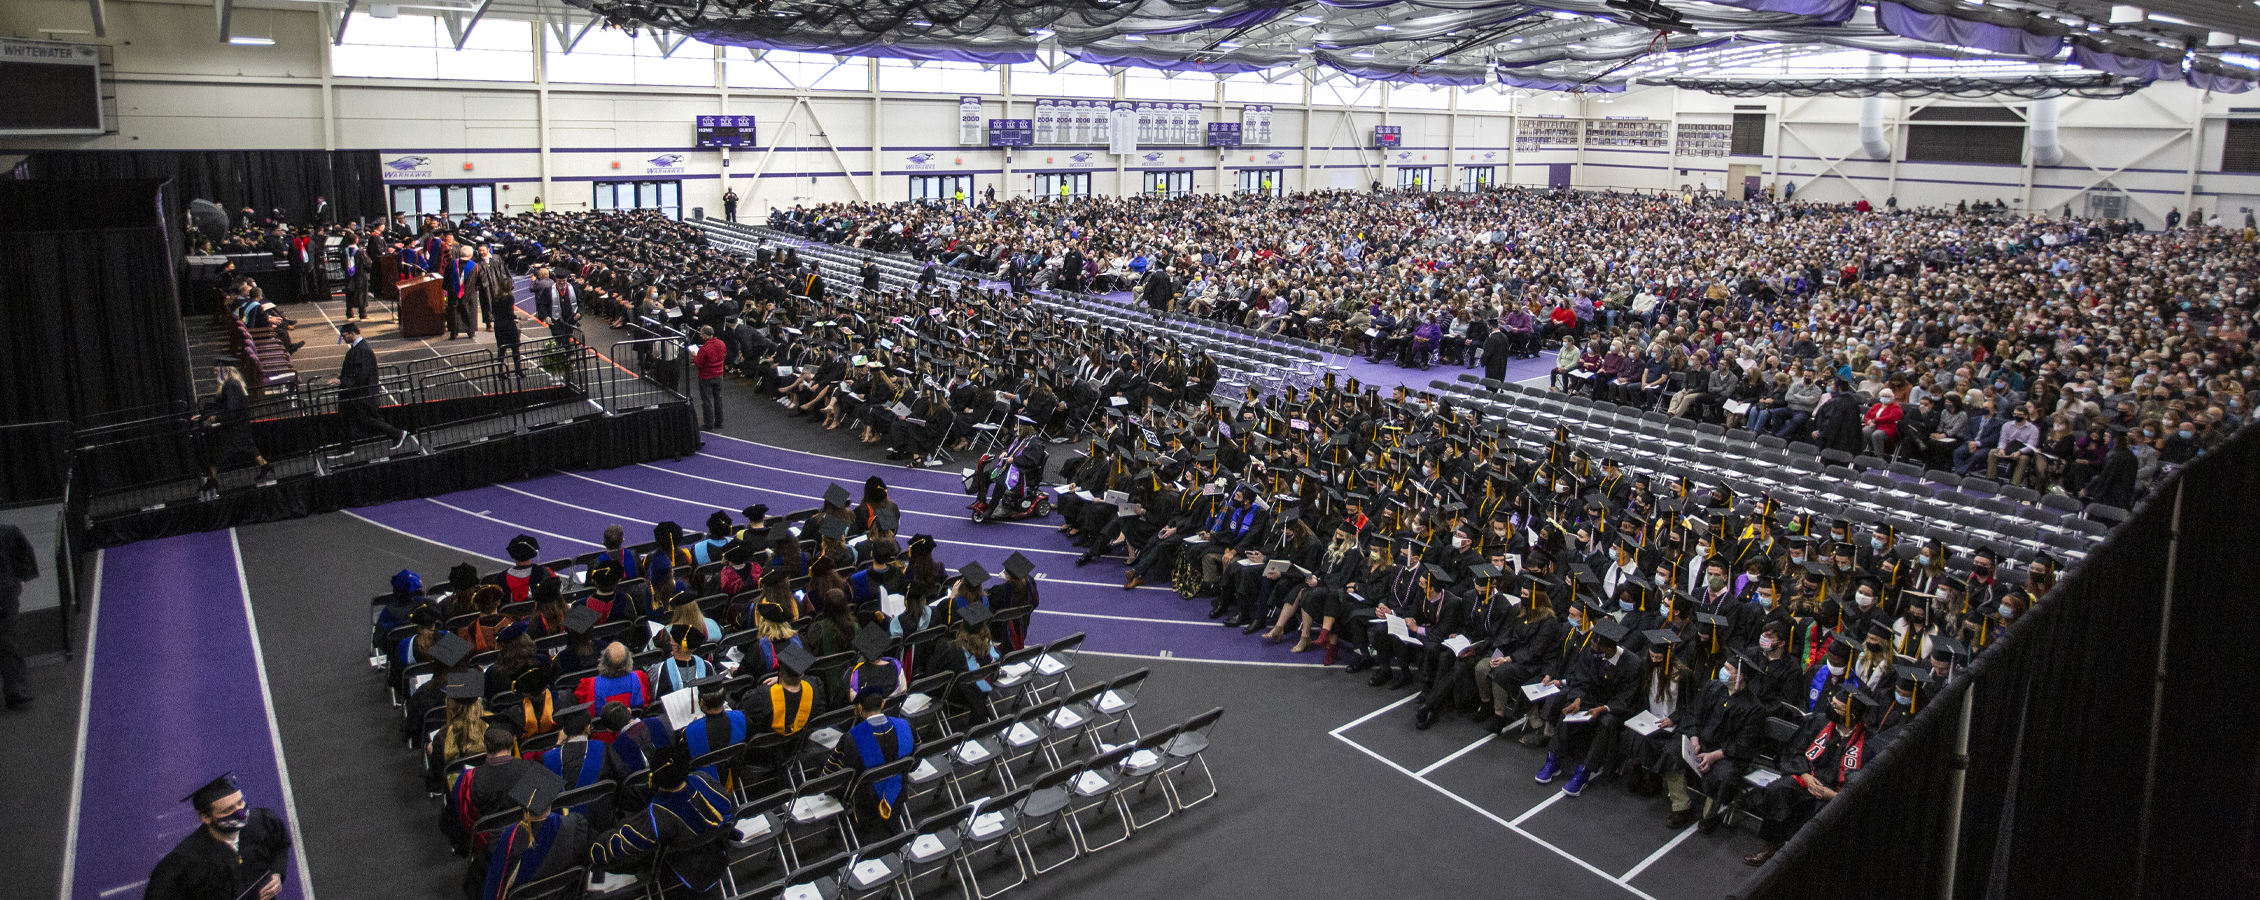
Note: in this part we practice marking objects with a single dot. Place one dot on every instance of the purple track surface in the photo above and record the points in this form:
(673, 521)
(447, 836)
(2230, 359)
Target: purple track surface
(567, 511)
(175, 701)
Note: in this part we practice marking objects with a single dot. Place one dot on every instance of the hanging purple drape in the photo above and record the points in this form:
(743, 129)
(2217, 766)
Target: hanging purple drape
(1908, 22)
(2217, 83)
(1830, 11)
(2124, 66)
(1534, 84)
(1235, 20)
(1220, 67)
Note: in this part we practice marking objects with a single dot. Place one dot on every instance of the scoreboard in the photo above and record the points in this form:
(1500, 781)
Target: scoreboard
(725, 131)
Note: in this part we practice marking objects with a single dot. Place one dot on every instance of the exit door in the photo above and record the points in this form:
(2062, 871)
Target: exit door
(1557, 174)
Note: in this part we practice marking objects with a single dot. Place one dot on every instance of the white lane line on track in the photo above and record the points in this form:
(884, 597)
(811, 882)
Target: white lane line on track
(1196, 659)
(522, 527)
(1041, 612)
(911, 512)
(891, 487)
(819, 497)
(602, 512)
(418, 537)
(840, 459)
(1479, 810)
(1456, 754)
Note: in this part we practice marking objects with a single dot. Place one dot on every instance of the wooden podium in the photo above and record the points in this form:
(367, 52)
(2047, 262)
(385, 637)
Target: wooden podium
(423, 307)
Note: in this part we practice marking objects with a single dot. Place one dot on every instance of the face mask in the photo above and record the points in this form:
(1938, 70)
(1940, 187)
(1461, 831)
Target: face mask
(1835, 671)
(1459, 543)
(1865, 600)
(1717, 582)
(234, 822)
(1906, 700)
(1767, 642)
(1625, 605)
(1765, 600)
(2186, 434)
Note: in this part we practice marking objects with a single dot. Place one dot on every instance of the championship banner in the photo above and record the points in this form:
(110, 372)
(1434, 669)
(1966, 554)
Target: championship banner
(1122, 124)
(969, 121)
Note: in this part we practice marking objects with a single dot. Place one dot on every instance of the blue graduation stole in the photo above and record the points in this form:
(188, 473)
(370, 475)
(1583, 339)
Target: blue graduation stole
(695, 738)
(867, 747)
(1819, 686)
(503, 872)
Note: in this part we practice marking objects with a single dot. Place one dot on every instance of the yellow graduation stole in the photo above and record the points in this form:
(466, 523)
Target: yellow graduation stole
(777, 713)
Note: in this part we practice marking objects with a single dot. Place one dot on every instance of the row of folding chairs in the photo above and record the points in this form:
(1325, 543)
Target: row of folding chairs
(973, 845)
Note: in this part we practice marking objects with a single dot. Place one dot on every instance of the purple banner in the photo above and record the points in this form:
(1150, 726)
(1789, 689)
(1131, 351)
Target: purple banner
(2124, 66)
(1831, 11)
(1908, 22)
(2218, 83)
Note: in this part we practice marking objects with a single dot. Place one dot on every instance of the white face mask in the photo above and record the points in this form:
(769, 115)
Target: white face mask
(1835, 671)
(1864, 599)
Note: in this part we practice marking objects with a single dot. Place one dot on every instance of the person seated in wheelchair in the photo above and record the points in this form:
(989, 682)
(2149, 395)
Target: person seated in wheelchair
(1006, 480)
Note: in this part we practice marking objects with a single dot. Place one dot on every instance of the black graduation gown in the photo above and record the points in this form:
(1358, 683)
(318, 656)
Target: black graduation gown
(202, 867)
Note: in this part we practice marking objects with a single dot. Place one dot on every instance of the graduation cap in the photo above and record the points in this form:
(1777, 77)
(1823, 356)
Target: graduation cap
(871, 641)
(921, 543)
(975, 615)
(607, 573)
(1711, 620)
(1596, 603)
(1018, 566)
(686, 637)
(1945, 649)
(1437, 574)
(1610, 630)
(1878, 629)
(513, 631)
(795, 658)
(465, 686)
(463, 576)
(832, 527)
(1841, 647)
(1659, 638)
(973, 574)
(530, 682)
(1483, 571)
(836, 495)
(572, 718)
(423, 616)
(450, 650)
(214, 791)
(524, 548)
(535, 790)
(887, 520)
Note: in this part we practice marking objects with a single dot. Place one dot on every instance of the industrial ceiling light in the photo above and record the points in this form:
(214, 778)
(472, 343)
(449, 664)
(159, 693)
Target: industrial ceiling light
(2123, 14)
(1313, 20)
(243, 40)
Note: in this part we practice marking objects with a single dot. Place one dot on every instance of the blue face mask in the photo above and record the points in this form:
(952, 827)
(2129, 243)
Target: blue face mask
(2186, 434)
(1625, 605)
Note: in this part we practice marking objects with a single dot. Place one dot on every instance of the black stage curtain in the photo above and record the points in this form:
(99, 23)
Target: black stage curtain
(37, 455)
(265, 180)
(90, 331)
(665, 432)
(2060, 729)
